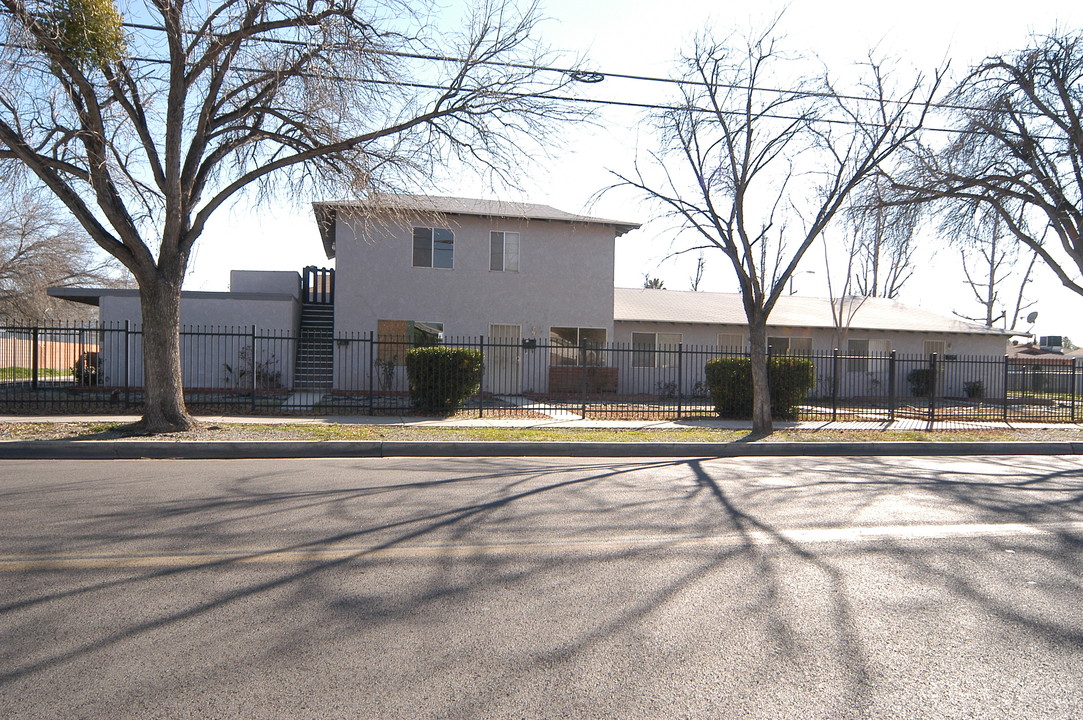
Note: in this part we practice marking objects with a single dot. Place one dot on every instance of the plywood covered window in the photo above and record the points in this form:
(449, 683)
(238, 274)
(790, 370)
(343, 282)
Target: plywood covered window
(395, 337)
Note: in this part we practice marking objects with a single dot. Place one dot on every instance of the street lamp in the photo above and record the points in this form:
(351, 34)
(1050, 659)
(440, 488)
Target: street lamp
(803, 272)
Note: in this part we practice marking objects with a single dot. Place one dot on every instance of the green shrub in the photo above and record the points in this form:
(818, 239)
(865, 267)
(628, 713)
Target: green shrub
(921, 382)
(974, 389)
(729, 381)
(442, 378)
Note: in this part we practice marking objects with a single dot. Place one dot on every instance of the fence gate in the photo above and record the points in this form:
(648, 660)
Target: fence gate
(504, 357)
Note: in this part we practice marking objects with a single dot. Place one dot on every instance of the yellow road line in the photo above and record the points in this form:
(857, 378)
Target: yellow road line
(338, 553)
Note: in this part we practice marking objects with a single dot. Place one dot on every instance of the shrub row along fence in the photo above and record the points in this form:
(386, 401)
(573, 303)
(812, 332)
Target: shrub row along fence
(91, 368)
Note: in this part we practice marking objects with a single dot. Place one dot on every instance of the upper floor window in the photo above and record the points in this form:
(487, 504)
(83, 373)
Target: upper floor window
(504, 251)
(434, 247)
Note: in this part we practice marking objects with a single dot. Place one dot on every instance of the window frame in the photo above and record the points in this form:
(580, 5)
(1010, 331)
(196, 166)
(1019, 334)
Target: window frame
(562, 349)
(392, 346)
(789, 344)
(504, 243)
(942, 344)
(741, 344)
(432, 252)
(659, 357)
(861, 362)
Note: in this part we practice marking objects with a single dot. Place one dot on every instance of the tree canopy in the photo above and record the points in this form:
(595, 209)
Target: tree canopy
(143, 130)
(756, 163)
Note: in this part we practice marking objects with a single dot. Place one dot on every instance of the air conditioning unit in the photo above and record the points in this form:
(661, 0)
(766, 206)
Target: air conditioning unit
(1051, 343)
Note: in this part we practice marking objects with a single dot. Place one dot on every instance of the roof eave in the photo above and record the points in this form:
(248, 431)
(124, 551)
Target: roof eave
(325, 221)
(326, 210)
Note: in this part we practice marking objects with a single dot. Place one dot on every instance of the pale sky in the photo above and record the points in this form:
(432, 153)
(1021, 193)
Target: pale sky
(644, 37)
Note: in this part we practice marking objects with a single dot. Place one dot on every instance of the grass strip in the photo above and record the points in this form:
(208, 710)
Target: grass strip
(330, 431)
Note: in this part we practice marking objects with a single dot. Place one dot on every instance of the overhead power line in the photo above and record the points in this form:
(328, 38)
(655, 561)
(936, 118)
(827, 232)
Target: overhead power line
(593, 76)
(574, 74)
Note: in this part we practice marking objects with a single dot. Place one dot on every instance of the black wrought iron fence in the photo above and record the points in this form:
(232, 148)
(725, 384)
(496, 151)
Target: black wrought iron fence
(98, 368)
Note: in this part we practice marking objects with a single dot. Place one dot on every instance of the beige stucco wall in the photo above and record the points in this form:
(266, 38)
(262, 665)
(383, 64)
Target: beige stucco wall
(284, 282)
(858, 379)
(227, 319)
(565, 279)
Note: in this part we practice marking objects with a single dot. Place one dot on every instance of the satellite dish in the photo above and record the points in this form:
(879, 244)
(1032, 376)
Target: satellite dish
(1032, 317)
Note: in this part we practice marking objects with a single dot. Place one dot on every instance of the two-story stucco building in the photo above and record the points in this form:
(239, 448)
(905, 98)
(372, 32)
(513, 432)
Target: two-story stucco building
(507, 272)
(535, 284)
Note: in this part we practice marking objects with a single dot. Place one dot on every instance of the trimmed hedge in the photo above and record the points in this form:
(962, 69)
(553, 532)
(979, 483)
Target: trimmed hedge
(442, 378)
(729, 381)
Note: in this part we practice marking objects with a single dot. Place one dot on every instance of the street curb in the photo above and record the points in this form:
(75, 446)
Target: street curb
(243, 450)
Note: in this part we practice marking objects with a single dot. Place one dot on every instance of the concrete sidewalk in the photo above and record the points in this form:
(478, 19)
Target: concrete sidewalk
(550, 423)
(198, 449)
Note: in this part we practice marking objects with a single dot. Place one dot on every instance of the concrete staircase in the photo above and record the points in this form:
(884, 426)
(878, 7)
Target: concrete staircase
(315, 347)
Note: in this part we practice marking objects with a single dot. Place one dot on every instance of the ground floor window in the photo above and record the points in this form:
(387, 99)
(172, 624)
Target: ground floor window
(790, 345)
(655, 349)
(576, 345)
(731, 342)
(395, 337)
(861, 350)
(935, 346)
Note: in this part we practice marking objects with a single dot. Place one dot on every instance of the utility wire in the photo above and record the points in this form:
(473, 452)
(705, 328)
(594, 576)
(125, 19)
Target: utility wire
(587, 76)
(581, 75)
(573, 74)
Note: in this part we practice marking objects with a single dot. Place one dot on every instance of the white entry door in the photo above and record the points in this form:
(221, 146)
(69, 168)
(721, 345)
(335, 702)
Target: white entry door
(503, 360)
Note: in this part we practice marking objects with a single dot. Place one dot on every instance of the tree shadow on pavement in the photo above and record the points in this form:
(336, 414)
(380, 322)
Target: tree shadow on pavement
(593, 557)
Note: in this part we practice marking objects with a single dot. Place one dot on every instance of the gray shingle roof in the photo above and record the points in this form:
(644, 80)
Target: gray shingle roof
(679, 306)
(441, 205)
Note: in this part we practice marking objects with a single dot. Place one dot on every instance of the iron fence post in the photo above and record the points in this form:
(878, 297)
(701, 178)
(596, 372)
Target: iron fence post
(1071, 393)
(891, 392)
(583, 378)
(481, 379)
(371, 341)
(127, 367)
(932, 390)
(1004, 407)
(34, 358)
(252, 368)
(835, 385)
(680, 379)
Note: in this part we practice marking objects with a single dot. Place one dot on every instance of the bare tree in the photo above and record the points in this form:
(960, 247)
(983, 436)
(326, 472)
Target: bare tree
(1018, 150)
(883, 240)
(653, 283)
(41, 247)
(697, 278)
(144, 132)
(759, 173)
(845, 303)
(990, 258)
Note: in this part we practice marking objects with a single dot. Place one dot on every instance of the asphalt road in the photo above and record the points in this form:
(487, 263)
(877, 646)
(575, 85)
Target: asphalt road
(542, 588)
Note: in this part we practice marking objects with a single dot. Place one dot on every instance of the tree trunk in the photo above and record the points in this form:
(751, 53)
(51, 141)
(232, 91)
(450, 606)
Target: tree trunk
(164, 409)
(761, 391)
